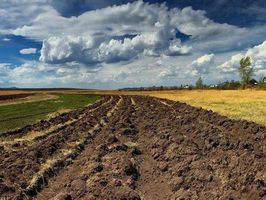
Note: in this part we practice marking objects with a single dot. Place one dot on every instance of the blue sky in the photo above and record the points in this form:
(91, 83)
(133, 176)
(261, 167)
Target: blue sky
(118, 43)
(10, 49)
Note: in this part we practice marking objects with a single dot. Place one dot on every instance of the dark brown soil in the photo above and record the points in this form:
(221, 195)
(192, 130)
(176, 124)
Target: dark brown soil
(133, 147)
(14, 96)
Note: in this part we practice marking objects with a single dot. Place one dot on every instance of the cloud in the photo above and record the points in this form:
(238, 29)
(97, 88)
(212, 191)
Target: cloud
(134, 43)
(195, 23)
(203, 63)
(154, 35)
(199, 66)
(87, 50)
(65, 49)
(14, 13)
(6, 39)
(257, 55)
(134, 18)
(203, 60)
(5, 69)
(138, 18)
(182, 74)
(231, 65)
(28, 51)
(76, 7)
(208, 36)
(142, 72)
(166, 73)
(141, 19)
(45, 75)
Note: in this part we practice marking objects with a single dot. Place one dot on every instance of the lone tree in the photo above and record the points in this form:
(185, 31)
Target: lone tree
(199, 83)
(245, 70)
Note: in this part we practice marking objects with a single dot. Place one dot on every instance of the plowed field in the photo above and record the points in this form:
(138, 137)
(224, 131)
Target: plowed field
(135, 147)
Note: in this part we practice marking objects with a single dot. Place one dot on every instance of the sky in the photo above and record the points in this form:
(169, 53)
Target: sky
(110, 44)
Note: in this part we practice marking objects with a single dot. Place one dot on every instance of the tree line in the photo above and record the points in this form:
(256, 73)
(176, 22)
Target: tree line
(246, 73)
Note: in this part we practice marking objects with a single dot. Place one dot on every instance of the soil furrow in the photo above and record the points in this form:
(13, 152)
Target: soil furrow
(110, 172)
(28, 161)
(197, 158)
(137, 147)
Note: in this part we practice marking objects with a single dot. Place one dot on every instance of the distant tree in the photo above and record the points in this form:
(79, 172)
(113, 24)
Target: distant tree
(229, 85)
(199, 83)
(245, 70)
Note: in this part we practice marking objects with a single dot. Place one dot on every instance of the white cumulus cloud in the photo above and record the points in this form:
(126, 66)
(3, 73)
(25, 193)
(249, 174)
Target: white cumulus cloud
(257, 55)
(203, 63)
(231, 65)
(97, 50)
(152, 28)
(28, 51)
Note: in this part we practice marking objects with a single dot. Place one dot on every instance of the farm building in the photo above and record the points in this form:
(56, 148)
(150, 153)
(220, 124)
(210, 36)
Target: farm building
(253, 82)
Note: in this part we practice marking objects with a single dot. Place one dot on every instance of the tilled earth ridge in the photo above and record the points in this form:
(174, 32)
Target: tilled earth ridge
(136, 147)
(14, 96)
(22, 163)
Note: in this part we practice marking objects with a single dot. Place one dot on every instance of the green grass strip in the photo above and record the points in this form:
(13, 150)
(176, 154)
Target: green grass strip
(19, 115)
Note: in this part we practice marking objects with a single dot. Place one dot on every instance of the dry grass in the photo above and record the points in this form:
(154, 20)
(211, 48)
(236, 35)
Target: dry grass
(238, 104)
(59, 112)
(9, 92)
(35, 181)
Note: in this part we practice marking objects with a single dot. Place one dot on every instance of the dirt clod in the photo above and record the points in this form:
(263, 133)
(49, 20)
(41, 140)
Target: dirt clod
(62, 196)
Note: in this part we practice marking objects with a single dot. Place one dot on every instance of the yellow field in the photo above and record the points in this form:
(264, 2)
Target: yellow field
(238, 104)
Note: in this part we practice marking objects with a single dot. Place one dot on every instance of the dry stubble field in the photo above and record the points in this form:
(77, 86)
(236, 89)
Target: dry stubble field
(237, 104)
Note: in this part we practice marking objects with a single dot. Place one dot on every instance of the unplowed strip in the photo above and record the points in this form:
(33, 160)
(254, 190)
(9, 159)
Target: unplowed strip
(47, 124)
(38, 134)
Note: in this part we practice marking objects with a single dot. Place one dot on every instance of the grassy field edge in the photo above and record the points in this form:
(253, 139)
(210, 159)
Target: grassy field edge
(22, 114)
